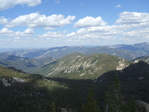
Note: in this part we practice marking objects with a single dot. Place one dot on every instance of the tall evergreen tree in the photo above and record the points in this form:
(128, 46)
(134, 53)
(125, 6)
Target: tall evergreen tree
(91, 104)
(113, 97)
(53, 107)
(132, 105)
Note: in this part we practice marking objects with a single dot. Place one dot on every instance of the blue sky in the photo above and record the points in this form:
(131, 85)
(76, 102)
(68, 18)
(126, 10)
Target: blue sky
(49, 23)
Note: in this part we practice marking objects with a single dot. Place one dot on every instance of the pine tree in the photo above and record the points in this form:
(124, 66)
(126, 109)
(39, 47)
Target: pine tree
(53, 107)
(113, 97)
(91, 104)
(132, 105)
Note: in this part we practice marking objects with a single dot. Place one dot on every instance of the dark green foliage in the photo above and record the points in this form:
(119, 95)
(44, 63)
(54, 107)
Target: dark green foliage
(53, 107)
(113, 97)
(91, 104)
(132, 105)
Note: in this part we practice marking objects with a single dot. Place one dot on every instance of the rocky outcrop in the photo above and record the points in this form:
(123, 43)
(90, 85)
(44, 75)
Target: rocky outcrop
(122, 64)
(11, 80)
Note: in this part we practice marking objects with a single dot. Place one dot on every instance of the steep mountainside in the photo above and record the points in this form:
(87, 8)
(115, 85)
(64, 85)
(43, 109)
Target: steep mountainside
(134, 79)
(81, 66)
(138, 70)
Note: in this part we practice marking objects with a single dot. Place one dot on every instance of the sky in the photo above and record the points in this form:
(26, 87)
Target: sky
(51, 23)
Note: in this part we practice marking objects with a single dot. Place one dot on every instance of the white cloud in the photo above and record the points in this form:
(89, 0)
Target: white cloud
(57, 1)
(90, 21)
(4, 31)
(3, 20)
(28, 31)
(48, 28)
(94, 32)
(137, 33)
(36, 20)
(53, 35)
(16, 38)
(118, 6)
(9, 33)
(130, 26)
(133, 18)
(100, 31)
(6, 4)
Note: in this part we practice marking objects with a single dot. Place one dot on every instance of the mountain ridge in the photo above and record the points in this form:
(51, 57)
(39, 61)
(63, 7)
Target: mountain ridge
(77, 65)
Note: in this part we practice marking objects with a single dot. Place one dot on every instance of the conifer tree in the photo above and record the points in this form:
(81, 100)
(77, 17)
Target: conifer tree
(91, 104)
(113, 97)
(132, 105)
(53, 106)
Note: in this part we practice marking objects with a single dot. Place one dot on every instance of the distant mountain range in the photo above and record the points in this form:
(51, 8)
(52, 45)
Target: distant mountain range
(128, 52)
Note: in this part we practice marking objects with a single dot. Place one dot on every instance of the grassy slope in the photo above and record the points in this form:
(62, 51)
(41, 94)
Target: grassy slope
(79, 66)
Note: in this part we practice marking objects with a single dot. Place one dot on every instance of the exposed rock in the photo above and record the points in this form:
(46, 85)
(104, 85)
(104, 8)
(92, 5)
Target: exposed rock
(15, 79)
(5, 82)
(121, 65)
(9, 81)
(143, 104)
(136, 61)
